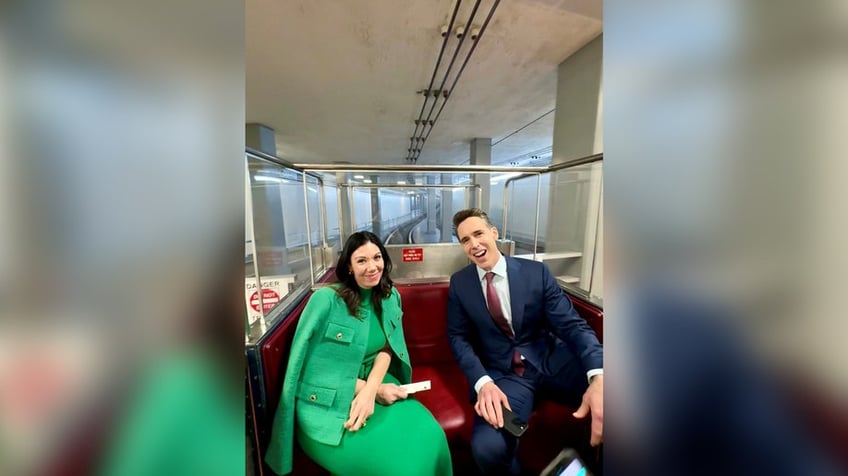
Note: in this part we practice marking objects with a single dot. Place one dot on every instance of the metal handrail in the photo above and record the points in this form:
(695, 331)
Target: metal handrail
(310, 170)
(414, 185)
(562, 165)
(551, 168)
(416, 168)
(444, 168)
(575, 162)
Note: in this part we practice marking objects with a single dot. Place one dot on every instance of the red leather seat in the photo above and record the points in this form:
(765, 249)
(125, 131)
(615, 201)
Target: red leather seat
(425, 327)
(440, 401)
(552, 427)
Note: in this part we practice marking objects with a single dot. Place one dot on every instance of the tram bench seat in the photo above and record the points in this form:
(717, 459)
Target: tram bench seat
(275, 356)
(551, 427)
(425, 328)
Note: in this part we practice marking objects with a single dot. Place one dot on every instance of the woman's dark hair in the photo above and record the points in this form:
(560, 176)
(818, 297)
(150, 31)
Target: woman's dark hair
(349, 291)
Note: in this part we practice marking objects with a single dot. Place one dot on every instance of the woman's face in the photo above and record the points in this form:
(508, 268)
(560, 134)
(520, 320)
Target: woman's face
(366, 265)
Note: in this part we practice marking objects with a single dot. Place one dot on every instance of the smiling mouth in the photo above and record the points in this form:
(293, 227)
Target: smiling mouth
(480, 254)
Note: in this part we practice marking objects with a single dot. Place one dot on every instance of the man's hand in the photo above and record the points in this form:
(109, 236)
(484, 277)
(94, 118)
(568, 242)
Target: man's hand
(489, 401)
(593, 403)
(389, 393)
(361, 408)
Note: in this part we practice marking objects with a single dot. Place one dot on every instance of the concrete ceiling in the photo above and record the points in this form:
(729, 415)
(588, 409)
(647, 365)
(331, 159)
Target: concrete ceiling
(338, 81)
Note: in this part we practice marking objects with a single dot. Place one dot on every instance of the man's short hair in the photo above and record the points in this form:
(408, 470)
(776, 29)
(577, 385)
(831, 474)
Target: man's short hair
(463, 215)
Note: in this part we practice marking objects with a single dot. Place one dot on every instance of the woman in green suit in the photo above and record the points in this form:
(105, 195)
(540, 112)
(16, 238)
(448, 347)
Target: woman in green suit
(342, 382)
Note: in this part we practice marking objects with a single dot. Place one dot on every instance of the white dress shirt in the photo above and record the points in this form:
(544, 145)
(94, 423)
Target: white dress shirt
(501, 283)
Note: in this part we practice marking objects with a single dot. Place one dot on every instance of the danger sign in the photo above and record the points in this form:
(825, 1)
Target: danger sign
(413, 254)
(270, 298)
(274, 289)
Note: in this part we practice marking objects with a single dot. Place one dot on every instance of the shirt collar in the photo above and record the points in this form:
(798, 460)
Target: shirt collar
(499, 269)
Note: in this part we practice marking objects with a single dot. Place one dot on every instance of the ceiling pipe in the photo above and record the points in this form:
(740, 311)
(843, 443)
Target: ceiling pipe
(460, 30)
(418, 139)
(461, 69)
(413, 153)
(445, 30)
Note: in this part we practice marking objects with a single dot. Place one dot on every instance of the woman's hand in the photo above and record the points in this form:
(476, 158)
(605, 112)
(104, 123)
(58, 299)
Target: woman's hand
(389, 393)
(361, 408)
(362, 405)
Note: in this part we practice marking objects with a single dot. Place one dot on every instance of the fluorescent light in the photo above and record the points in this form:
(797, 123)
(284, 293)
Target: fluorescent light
(401, 182)
(410, 192)
(359, 177)
(265, 178)
(366, 181)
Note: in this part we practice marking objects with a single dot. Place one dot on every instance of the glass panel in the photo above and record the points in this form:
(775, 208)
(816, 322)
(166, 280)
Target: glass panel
(361, 205)
(523, 214)
(315, 225)
(331, 205)
(383, 202)
(596, 288)
(497, 183)
(249, 249)
(399, 209)
(570, 219)
(279, 239)
(452, 201)
(292, 212)
(571, 235)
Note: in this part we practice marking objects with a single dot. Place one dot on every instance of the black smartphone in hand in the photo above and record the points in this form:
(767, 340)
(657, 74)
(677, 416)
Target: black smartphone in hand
(512, 423)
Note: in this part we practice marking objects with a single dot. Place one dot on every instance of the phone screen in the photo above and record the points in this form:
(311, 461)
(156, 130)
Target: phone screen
(566, 463)
(574, 468)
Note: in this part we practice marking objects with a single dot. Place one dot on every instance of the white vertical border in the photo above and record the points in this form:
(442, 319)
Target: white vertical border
(593, 215)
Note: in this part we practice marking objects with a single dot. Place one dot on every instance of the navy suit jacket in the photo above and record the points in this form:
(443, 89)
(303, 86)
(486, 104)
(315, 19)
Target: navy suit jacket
(548, 331)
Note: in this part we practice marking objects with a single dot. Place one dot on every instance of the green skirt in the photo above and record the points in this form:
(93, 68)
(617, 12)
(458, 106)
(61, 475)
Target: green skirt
(401, 439)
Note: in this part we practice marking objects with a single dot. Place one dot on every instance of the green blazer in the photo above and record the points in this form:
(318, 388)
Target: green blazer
(326, 354)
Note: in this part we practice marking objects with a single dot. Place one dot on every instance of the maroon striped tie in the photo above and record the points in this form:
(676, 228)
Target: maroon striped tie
(495, 310)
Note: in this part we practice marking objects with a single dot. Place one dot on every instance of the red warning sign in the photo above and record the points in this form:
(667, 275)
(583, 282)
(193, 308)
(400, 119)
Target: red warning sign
(270, 298)
(413, 254)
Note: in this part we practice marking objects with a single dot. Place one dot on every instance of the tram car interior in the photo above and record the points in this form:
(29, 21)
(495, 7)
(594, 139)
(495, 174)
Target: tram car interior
(298, 216)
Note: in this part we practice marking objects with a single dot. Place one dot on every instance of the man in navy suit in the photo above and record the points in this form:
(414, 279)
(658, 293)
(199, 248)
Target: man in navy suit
(514, 333)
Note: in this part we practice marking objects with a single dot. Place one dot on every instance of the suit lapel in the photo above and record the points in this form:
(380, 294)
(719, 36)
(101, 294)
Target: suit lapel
(516, 293)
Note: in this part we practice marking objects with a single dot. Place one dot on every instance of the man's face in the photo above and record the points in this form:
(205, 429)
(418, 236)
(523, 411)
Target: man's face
(478, 240)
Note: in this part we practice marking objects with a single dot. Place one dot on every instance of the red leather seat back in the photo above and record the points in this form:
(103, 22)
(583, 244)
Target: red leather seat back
(425, 322)
(276, 348)
(425, 327)
(275, 355)
(593, 315)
